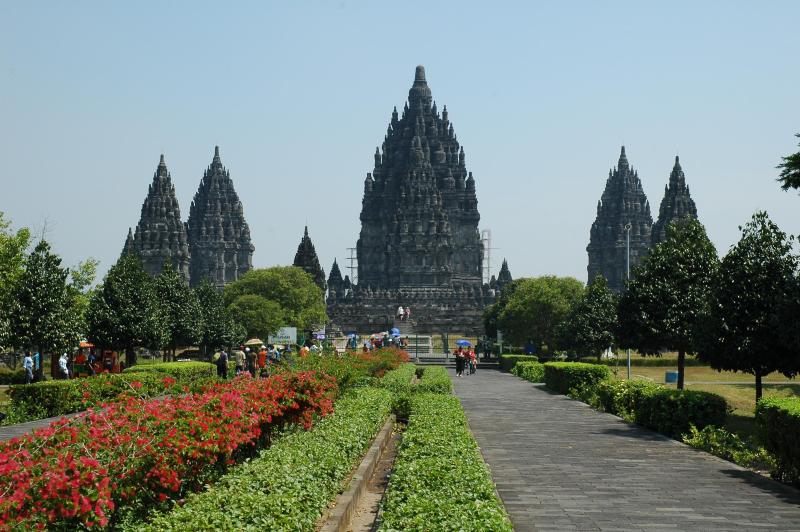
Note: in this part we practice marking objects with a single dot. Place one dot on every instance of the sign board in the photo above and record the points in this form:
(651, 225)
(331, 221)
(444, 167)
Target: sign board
(285, 335)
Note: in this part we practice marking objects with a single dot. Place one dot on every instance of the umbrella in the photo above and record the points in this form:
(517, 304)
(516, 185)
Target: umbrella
(351, 335)
(464, 343)
(84, 345)
(396, 334)
(253, 341)
(395, 331)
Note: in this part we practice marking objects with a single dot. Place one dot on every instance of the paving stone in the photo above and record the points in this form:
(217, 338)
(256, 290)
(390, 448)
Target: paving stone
(560, 465)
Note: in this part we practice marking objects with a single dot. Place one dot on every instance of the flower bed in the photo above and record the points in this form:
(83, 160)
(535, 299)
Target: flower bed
(435, 380)
(351, 368)
(138, 453)
(290, 484)
(440, 481)
(530, 371)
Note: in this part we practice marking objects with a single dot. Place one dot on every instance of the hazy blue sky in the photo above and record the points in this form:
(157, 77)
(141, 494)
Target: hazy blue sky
(298, 94)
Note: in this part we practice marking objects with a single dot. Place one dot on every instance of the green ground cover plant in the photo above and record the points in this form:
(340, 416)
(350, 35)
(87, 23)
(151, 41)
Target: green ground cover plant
(440, 481)
(780, 420)
(729, 446)
(289, 485)
(562, 377)
(398, 381)
(180, 370)
(530, 371)
(507, 362)
(435, 379)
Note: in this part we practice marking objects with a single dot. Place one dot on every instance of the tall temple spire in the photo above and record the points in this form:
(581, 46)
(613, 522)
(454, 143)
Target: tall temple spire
(504, 277)
(219, 237)
(623, 204)
(306, 258)
(160, 236)
(676, 205)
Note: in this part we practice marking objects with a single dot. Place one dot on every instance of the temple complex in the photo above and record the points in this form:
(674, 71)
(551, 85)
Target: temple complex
(214, 244)
(419, 244)
(676, 205)
(623, 207)
(306, 258)
(160, 236)
(219, 237)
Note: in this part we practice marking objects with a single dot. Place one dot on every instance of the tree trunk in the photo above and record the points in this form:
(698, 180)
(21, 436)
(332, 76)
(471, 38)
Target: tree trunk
(681, 368)
(758, 385)
(130, 357)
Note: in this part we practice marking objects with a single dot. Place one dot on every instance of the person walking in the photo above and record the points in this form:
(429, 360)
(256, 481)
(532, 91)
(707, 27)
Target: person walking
(473, 361)
(238, 356)
(90, 360)
(460, 359)
(407, 313)
(222, 365)
(27, 363)
(262, 361)
(63, 366)
(400, 313)
(250, 356)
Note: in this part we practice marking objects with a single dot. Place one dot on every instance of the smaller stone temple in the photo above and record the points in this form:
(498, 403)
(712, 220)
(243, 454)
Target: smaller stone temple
(306, 258)
(676, 205)
(219, 237)
(160, 236)
(622, 208)
(503, 278)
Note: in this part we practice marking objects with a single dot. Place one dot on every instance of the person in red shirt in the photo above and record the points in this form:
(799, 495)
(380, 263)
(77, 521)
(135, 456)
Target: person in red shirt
(262, 361)
(473, 361)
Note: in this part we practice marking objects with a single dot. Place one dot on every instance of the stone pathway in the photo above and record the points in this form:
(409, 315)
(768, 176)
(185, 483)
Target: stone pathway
(12, 431)
(560, 465)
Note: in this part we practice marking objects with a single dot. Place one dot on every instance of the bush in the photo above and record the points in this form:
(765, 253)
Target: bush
(564, 377)
(398, 381)
(180, 370)
(530, 371)
(650, 362)
(289, 485)
(720, 442)
(10, 376)
(621, 397)
(440, 481)
(672, 412)
(780, 419)
(507, 362)
(435, 379)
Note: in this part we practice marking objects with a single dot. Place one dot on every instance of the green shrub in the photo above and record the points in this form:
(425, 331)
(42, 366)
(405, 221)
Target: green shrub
(564, 377)
(440, 481)
(290, 484)
(507, 362)
(780, 419)
(435, 379)
(621, 397)
(720, 442)
(11, 376)
(178, 370)
(398, 381)
(672, 412)
(530, 371)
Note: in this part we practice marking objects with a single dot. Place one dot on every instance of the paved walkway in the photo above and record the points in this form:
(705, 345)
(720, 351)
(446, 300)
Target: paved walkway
(559, 465)
(12, 431)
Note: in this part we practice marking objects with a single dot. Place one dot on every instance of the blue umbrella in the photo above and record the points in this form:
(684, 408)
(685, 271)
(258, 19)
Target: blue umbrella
(395, 331)
(396, 334)
(464, 343)
(351, 335)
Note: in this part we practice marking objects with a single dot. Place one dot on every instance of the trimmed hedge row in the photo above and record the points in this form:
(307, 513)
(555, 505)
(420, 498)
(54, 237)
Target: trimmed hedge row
(290, 484)
(180, 370)
(649, 362)
(435, 379)
(507, 362)
(398, 381)
(440, 481)
(11, 376)
(563, 377)
(530, 371)
(780, 418)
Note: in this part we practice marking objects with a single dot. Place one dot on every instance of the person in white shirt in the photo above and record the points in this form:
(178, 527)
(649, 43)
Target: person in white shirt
(400, 313)
(27, 364)
(62, 365)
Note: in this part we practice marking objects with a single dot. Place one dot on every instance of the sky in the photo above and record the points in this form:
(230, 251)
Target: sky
(298, 95)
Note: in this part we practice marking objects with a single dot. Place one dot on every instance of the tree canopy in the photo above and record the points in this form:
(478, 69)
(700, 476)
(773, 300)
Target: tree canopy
(219, 329)
(180, 309)
(790, 170)
(667, 298)
(259, 316)
(752, 323)
(536, 309)
(12, 258)
(590, 325)
(301, 302)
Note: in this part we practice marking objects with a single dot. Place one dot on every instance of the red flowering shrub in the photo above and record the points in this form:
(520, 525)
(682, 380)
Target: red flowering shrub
(138, 452)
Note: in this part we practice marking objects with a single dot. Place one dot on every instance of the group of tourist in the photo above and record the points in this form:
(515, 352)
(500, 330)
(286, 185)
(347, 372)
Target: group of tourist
(403, 314)
(377, 341)
(254, 361)
(465, 360)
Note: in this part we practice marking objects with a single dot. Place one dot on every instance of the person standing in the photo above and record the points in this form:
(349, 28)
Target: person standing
(407, 313)
(239, 358)
(400, 313)
(27, 364)
(262, 361)
(251, 361)
(63, 366)
(459, 354)
(222, 365)
(90, 360)
(473, 361)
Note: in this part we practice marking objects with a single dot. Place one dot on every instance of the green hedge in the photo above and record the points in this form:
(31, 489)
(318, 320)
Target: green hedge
(780, 418)
(650, 362)
(398, 381)
(507, 362)
(435, 379)
(530, 371)
(178, 370)
(440, 481)
(11, 376)
(670, 412)
(565, 376)
(290, 484)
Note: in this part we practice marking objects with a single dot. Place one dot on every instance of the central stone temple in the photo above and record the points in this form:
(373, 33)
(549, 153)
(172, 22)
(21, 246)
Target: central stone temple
(419, 245)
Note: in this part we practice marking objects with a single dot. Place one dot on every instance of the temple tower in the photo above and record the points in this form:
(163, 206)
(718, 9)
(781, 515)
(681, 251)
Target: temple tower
(160, 236)
(219, 237)
(306, 258)
(623, 203)
(676, 205)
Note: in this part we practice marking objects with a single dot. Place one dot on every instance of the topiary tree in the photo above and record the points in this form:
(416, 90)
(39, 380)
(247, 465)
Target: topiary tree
(259, 316)
(752, 323)
(668, 296)
(790, 171)
(180, 308)
(590, 325)
(124, 313)
(219, 329)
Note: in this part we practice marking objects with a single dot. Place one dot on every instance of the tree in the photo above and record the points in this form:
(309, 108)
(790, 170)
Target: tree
(180, 309)
(44, 318)
(12, 259)
(754, 305)
(591, 323)
(537, 307)
(219, 329)
(300, 300)
(80, 290)
(790, 171)
(492, 313)
(668, 296)
(259, 316)
(124, 312)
